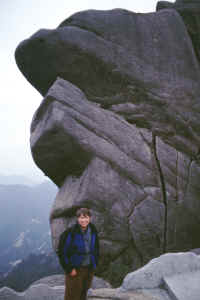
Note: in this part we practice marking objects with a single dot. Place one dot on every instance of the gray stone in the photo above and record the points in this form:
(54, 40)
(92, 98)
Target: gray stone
(121, 44)
(131, 65)
(98, 283)
(76, 131)
(36, 292)
(180, 5)
(59, 280)
(146, 226)
(115, 294)
(182, 197)
(189, 11)
(52, 281)
(158, 293)
(121, 172)
(183, 286)
(118, 130)
(152, 274)
(196, 251)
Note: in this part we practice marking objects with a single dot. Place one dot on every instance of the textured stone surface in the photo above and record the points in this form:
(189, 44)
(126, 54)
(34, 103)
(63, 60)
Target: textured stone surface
(189, 11)
(43, 292)
(141, 62)
(167, 265)
(118, 130)
(184, 286)
(125, 48)
(126, 178)
(59, 280)
(37, 292)
(115, 294)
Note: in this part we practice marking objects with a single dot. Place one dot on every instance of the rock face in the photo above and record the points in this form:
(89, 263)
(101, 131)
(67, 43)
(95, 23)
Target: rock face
(118, 130)
(189, 11)
(153, 274)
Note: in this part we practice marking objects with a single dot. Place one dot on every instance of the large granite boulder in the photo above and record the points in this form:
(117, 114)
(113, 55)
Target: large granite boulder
(190, 12)
(118, 130)
(153, 274)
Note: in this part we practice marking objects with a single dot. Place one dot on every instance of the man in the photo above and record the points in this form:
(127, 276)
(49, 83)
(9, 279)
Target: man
(80, 254)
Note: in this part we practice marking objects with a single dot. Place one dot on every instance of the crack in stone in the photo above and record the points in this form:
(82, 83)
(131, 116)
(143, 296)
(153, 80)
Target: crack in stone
(176, 196)
(115, 144)
(145, 139)
(134, 205)
(188, 177)
(115, 258)
(176, 179)
(163, 189)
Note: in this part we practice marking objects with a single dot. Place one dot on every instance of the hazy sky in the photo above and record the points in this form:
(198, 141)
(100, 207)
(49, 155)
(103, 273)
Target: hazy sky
(19, 100)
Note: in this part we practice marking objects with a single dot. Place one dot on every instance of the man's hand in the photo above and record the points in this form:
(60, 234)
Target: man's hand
(73, 272)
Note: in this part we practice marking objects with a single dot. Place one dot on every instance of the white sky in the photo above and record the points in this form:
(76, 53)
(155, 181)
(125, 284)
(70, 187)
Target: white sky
(19, 100)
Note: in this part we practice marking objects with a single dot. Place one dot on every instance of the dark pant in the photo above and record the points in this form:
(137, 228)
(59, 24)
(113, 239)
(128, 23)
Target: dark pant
(76, 287)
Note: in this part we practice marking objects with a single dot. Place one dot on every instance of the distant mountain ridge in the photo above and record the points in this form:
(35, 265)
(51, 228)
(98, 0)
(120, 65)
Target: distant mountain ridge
(34, 267)
(24, 222)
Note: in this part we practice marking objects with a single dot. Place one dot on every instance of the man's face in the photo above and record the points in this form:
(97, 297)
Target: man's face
(83, 221)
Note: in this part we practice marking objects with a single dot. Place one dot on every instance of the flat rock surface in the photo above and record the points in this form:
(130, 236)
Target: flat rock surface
(184, 286)
(166, 266)
(115, 294)
(59, 280)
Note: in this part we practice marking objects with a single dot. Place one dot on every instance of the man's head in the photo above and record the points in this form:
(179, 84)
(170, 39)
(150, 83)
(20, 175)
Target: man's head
(83, 217)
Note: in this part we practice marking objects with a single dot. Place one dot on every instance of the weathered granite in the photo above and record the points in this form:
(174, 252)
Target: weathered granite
(118, 130)
(142, 62)
(126, 180)
(115, 294)
(167, 265)
(189, 11)
(183, 286)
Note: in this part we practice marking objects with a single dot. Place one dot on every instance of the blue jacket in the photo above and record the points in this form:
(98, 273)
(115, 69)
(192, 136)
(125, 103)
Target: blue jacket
(74, 248)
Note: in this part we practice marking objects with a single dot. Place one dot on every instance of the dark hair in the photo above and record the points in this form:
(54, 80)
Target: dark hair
(83, 211)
